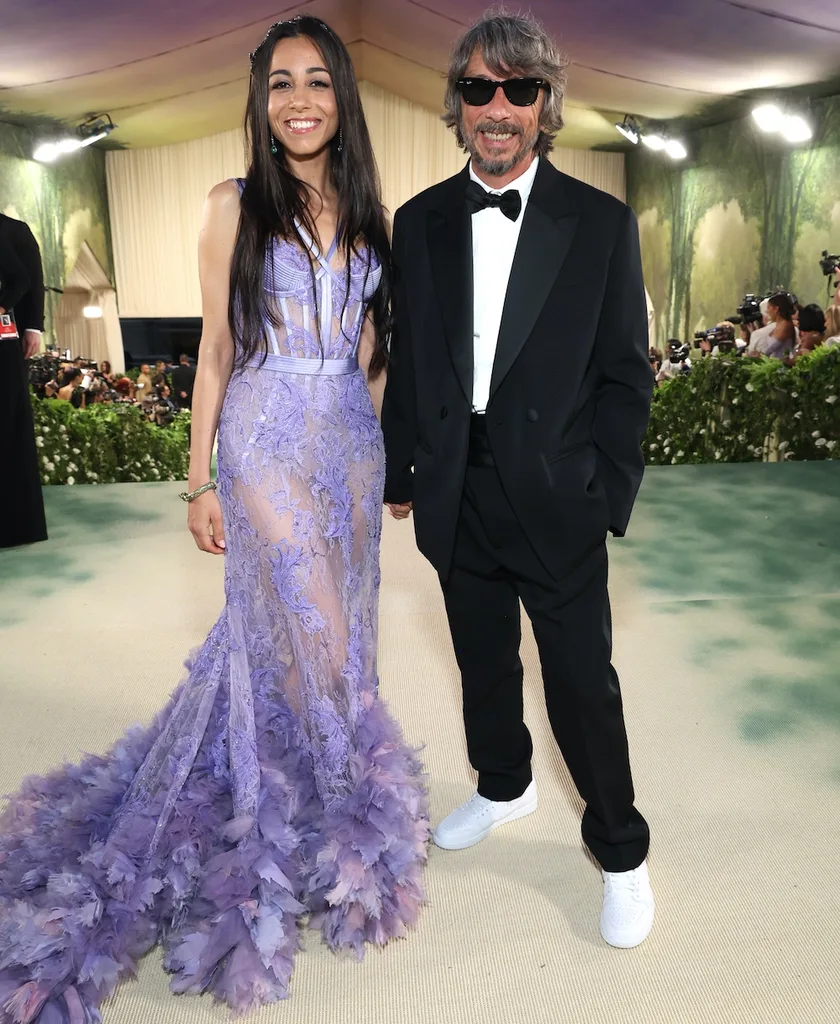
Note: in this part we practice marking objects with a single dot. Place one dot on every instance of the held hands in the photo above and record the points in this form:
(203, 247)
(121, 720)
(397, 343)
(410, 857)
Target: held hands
(204, 519)
(400, 511)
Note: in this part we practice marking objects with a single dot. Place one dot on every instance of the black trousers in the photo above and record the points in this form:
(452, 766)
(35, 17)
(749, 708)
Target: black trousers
(22, 518)
(494, 567)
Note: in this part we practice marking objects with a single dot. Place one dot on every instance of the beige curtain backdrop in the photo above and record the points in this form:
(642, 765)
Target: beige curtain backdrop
(98, 339)
(156, 195)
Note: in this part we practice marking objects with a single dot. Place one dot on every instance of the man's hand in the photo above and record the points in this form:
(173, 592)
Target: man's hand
(31, 343)
(400, 511)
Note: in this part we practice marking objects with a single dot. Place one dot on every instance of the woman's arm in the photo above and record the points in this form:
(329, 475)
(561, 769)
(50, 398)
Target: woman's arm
(367, 343)
(219, 228)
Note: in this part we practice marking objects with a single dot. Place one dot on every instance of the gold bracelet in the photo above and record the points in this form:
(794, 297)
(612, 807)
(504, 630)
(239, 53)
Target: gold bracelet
(192, 495)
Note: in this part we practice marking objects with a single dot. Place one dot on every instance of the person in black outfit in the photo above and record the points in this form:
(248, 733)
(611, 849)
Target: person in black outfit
(22, 519)
(183, 382)
(517, 398)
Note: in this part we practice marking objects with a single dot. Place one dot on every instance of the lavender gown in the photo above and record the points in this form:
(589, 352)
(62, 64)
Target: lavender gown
(275, 784)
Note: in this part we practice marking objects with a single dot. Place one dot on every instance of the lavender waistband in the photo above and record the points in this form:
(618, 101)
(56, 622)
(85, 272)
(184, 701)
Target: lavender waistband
(310, 367)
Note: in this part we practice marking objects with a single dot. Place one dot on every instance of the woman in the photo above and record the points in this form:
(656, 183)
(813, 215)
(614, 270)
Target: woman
(106, 372)
(781, 342)
(811, 329)
(275, 784)
(832, 325)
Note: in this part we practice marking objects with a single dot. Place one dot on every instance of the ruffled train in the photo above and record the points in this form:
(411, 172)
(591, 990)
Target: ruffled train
(225, 897)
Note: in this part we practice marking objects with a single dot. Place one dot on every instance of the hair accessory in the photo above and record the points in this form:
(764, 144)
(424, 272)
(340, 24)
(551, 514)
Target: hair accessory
(277, 24)
(340, 141)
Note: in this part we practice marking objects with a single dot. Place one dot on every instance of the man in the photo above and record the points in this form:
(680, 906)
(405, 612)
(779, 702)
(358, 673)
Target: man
(183, 382)
(22, 519)
(143, 384)
(515, 407)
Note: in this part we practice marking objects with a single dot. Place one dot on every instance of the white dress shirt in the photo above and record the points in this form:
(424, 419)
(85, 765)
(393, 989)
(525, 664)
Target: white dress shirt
(494, 241)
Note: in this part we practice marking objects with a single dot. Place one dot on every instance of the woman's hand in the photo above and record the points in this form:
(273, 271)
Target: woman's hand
(205, 522)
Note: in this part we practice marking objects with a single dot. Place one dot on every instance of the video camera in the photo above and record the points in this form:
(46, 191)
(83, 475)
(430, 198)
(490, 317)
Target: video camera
(723, 337)
(829, 263)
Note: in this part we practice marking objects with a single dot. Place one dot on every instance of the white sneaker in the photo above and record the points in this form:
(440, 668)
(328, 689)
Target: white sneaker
(627, 914)
(476, 819)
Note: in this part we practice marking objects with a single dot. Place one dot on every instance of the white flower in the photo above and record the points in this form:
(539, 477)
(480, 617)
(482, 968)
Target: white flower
(46, 430)
(788, 455)
(794, 394)
(63, 429)
(831, 445)
(703, 431)
(750, 447)
(652, 447)
(72, 467)
(658, 437)
(742, 438)
(783, 445)
(821, 443)
(735, 401)
(680, 454)
(750, 387)
(674, 461)
(831, 399)
(798, 415)
(815, 433)
(71, 480)
(45, 460)
(51, 466)
(93, 476)
(667, 451)
(77, 451)
(717, 455)
(39, 441)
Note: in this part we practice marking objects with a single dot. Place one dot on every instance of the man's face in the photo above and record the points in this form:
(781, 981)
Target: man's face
(498, 135)
(144, 368)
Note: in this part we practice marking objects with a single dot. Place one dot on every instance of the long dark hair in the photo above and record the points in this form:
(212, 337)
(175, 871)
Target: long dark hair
(783, 302)
(273, 198)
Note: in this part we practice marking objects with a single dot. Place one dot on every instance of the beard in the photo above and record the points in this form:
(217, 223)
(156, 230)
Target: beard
(498, 167)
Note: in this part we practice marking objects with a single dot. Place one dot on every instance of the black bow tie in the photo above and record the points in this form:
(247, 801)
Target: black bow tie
(510, 202)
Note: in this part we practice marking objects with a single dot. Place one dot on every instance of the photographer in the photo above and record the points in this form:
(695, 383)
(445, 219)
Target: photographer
(164, 408)
(69, 388)
(677, 361)
(832, 325)
(782, 339)
(811, 323)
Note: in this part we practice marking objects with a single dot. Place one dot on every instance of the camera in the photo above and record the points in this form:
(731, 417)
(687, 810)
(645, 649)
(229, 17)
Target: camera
(723, 337)
(829, 263)
(749, 312)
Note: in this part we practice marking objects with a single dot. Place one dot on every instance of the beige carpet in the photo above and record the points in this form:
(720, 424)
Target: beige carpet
(726, 633)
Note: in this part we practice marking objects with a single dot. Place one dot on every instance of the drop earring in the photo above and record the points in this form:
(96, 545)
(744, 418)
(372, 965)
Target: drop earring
(340, 141)
(273, 145)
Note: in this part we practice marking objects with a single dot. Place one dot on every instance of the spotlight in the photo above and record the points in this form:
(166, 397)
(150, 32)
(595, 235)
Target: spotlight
(676, 150)
(654, 142)
(769, 117)
(92, 312)
(629, 129)
(796, 129)
(90, 131)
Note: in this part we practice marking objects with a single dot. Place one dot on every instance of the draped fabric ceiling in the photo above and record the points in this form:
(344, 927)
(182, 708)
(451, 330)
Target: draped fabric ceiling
(171, 72)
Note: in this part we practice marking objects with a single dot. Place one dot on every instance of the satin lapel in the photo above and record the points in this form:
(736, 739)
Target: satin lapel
(450, 250)
(543, 246)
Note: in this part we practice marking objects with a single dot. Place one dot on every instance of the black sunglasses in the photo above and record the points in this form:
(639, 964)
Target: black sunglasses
(521, 92)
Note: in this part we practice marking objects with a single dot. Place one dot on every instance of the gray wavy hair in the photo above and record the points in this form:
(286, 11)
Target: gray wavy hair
(510, 43)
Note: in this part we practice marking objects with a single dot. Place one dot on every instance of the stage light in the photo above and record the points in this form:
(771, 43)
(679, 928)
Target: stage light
(769, 117)
(629, 129)
(796, 129)
(676, 150)
(90, 131)
(654, 142)
(92, 312)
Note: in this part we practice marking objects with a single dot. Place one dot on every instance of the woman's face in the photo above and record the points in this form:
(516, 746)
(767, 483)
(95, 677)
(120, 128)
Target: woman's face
(302, 106)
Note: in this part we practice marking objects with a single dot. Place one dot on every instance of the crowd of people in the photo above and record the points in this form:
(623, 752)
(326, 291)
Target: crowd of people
(777, 327)
(160, 392)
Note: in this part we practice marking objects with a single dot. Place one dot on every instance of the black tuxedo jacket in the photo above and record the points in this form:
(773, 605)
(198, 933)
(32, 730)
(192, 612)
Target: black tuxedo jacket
(21, 274)
(571, 384)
